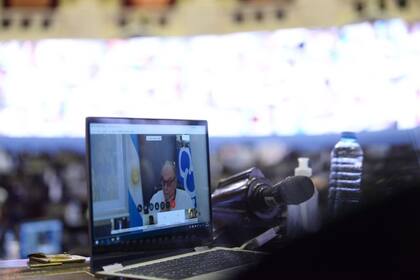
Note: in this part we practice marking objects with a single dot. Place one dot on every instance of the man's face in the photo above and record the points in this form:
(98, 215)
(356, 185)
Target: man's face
(168, 183)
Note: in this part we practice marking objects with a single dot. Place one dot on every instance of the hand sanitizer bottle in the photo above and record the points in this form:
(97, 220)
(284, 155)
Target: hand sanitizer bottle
(304, 217)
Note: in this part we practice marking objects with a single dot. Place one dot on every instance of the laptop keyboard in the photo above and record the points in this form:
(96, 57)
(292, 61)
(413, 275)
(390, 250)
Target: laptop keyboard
(189, 266)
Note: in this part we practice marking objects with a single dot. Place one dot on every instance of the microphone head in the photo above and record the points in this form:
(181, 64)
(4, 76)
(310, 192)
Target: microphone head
(294, 189)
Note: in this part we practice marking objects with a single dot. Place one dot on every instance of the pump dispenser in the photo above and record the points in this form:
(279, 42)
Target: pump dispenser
(303, 168)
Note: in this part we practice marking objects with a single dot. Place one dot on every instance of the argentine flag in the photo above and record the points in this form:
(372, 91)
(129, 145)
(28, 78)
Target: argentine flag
(133, 179)
(186, 172)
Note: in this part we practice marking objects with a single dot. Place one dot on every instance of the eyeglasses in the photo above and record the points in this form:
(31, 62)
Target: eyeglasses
(167, 182)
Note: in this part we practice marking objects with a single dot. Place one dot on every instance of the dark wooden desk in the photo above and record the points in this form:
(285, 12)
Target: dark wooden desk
(18, 269)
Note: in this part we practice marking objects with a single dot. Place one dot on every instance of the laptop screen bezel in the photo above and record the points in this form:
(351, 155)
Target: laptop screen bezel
(111, 253)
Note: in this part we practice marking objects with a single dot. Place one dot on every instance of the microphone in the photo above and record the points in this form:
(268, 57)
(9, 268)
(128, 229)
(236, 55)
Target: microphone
(249, 195)
(290, 191)
(295, 189)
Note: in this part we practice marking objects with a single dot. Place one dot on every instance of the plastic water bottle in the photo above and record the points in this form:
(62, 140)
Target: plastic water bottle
(344, 192)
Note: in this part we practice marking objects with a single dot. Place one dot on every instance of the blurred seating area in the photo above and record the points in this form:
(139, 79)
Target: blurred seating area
(43, 186)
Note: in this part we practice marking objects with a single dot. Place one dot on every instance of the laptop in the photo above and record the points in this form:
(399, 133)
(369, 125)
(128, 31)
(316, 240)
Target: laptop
(40, 236)
(150, 201)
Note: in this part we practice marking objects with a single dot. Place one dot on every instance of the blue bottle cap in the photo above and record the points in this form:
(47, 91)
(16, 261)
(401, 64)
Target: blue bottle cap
(348, 135)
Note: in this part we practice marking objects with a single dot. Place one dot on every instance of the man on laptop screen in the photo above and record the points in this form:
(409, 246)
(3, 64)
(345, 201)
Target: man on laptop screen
(170, 197)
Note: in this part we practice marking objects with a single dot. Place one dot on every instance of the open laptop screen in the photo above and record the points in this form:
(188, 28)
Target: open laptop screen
(149, 182)
(40, 236)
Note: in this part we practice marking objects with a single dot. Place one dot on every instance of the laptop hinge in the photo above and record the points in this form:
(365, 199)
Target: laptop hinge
(112, 267)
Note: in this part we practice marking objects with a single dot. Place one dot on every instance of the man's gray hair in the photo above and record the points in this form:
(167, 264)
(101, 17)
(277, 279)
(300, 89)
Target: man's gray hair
(169, 164)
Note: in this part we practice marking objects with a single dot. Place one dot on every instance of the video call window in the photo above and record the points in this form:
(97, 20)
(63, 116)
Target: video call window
(144, 182)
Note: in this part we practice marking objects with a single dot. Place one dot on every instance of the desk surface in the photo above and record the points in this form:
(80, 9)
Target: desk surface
(18, 269)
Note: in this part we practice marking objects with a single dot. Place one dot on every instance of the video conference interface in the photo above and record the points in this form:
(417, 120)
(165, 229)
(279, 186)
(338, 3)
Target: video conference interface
(147, 177)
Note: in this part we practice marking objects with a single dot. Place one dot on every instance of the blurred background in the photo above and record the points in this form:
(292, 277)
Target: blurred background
(276, 79)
